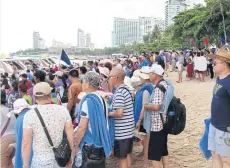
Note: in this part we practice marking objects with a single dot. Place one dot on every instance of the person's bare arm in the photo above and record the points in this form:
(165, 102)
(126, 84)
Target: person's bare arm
(26, 146)
(81, 130)
(152, 107)
(69, 132)
(117, 114)
(70, 99)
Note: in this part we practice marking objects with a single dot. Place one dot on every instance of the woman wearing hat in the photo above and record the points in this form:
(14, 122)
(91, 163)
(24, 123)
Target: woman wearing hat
(21, 107)
(141, 98)
(7, 133)
(219, 130)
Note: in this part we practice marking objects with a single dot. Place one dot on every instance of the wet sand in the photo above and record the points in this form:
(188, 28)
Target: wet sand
(183, 148)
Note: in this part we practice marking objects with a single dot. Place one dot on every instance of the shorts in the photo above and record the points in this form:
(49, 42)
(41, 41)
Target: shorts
(158, 145)
(217, 141)
(123, 147)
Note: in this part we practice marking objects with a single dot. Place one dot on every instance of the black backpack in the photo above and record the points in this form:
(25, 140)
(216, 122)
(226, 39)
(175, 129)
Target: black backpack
(185, 62)
(175, 115)
(64, 98)
(161, 62)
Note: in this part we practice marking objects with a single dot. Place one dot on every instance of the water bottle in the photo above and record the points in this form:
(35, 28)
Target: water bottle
(78, 159)
(171, 119)
(171, 113)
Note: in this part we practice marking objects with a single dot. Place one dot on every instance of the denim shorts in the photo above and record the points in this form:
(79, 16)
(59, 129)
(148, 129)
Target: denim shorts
(218, 141)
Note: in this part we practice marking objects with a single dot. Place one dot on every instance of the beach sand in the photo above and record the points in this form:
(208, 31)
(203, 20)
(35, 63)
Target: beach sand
(183, 148)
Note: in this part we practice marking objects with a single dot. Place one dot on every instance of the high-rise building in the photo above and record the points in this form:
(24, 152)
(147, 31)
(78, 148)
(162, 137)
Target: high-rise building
(126, 31)
(147, 24)
(172, 9)
(41, 43)
(38, 42)
(83, 40)
(36, 37)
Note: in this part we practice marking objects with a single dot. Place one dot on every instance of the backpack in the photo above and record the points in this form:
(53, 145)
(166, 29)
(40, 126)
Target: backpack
(185, 62)
(64, 98)
(161, 62)
(175, 115)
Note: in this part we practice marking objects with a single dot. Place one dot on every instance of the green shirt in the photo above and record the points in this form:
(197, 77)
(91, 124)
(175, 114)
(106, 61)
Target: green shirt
(28, 99)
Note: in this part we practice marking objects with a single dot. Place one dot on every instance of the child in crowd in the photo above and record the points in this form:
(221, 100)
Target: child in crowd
(190, 70)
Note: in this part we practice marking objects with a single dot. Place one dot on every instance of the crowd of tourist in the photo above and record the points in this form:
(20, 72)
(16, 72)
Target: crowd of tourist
(98, 107)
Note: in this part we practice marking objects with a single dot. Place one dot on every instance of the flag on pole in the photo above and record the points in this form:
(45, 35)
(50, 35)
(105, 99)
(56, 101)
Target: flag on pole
(65, 58)
(206, 41)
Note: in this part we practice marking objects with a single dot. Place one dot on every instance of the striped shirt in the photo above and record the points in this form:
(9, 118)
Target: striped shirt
(124, 127)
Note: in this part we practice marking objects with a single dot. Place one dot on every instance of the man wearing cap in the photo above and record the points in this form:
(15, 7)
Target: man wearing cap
(219, 130)
(73, 92)
(56, 119)
(158, 138)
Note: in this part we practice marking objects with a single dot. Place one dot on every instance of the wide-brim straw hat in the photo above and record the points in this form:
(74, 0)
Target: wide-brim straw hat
(223, 54)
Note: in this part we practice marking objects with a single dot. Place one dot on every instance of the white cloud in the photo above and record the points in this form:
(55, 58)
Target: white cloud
(60, 19)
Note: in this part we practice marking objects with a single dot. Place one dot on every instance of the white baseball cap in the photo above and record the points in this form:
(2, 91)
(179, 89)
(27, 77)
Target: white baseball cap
(157, 69)
(146, 69)
(59, 73)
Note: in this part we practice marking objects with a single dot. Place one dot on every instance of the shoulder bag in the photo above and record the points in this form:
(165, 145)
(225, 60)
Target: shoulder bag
(5, 127)
(63, 152)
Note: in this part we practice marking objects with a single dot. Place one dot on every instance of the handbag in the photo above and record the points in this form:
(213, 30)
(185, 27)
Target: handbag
(63, 152)
(93, 157)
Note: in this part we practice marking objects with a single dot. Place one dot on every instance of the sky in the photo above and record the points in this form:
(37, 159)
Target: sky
(60, 19)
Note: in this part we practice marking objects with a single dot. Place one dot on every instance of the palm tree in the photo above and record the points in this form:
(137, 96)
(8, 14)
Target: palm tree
(223, 6)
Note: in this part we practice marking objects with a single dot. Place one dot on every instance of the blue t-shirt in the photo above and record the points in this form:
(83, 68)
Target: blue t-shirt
(220, 109)
(29, 76)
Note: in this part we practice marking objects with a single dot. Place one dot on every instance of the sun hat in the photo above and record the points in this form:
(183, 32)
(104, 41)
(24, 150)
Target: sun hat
(137, 73)
(59, 73)
(144, 76)
(127, 81)
(19, 105)
(104, 71)
(134, 59)
(145, 69)
(222, 54)
(135, 81)
(42, 89)
(157, 69)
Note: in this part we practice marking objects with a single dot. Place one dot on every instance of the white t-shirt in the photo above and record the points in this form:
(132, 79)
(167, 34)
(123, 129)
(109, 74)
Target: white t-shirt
(55, 118)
